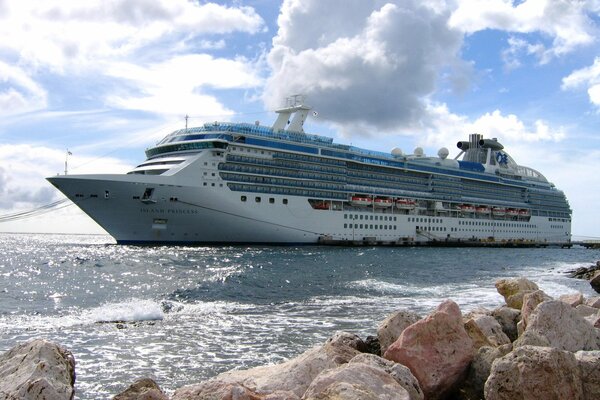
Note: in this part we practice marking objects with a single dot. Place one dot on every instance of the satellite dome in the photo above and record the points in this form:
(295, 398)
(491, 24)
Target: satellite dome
(443, 153)
(419, 152)
(397, 151)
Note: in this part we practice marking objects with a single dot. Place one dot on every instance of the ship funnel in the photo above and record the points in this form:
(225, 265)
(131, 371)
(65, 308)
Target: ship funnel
(293, 107)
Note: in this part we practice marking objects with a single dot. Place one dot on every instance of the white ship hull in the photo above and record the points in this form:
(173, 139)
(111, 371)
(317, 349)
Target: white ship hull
(181, 214)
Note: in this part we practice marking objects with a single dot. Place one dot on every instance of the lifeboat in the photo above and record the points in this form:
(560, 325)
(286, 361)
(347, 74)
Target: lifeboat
(524, 213)
(383, 202)
(361, 200)
(482, 210)
(467, 208)
(498, 212)
(511, 212)
(321, 205)
(406, 204)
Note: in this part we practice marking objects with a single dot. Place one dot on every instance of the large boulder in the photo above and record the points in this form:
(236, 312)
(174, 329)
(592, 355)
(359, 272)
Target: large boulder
(142, 389)
(531, 372)
(436, 349)
(572, 299)
(477, 336)
(530, 302)
(37, 369)
(557, 324)
(479, 371)
(492, 330)
(508, 318)
(389, 329)
(355, 381)
(589, 368)
(399, 372)
(513, 290)
(293, 376)
(593, 301)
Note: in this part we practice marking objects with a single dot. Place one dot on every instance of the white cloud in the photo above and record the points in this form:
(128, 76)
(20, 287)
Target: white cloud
(70, 34)
(174, 86)
(588, 77)
(348, 56)
(18, 92)
(566, 22)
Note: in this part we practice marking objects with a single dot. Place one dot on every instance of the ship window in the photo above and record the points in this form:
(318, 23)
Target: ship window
(361, 226)
(271, 200)
(285, 201)
(147, 193)
(204, 184)
(370, 226)
(257, 199)
(243, 198)
(345, 225)
(212, 184)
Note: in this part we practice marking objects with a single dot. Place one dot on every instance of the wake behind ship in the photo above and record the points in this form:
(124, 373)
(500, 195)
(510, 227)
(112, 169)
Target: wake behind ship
(247, 183)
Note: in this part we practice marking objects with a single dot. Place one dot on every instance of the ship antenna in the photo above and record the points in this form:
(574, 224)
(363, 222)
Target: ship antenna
(186, 121)
(67, 159)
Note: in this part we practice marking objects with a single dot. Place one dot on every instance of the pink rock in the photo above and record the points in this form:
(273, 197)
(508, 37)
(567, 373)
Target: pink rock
(588, 362)
(593, 302)
(391, 328)
(573, 300)
(532, 372)
(355, 381)
(530, 302)
(437, 350)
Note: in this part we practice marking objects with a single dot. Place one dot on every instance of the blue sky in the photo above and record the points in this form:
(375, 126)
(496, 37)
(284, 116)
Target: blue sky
(107, 79)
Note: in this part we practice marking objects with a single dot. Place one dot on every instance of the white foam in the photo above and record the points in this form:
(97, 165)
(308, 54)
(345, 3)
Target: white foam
(131, 310)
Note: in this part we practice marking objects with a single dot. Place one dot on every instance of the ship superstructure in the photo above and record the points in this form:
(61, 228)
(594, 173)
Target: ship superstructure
(247, 183)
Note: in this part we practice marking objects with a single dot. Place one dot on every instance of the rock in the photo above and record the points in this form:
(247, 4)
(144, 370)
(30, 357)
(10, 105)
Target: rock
(436, 349)
(595, 281)
(530, 301)
(573, 300)
(37, 369)
(293, 376)
(399, 372)
(586, 311)
(531, 372)
(479, 371)
(372, 345)
(583, 272)
(142, 389)
(389, 329)
(561, 326)
(593, 302)
(355, 381)
(513, 290)
(589, 362)
(492, 330)
(216, 389)
(477, 336)
(507, 318)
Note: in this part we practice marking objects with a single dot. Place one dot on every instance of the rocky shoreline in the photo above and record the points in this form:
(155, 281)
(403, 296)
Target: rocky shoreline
(532, 347)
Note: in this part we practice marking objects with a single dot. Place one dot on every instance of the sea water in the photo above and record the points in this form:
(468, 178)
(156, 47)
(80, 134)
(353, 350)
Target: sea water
(181, 315)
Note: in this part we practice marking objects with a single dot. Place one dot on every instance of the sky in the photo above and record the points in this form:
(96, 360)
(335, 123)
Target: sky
(107, 79)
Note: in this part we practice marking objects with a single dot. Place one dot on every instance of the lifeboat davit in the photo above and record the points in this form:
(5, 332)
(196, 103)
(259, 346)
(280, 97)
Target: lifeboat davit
(524, 213)
(406, 204)
(482, 210)
(383, 202)
(322, 205)
(361, 200)
(498, 212)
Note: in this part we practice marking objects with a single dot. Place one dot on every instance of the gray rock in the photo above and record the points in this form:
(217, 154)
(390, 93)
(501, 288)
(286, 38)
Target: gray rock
(492, 329)
(142, 389)
(530, 302)
(508, 317)
(399, 372)
(595, 281)
(589, 367)
(391, 328)
(37, 370)
(292, 376)
(561, 326)
(531, 372)
(479, 371)
(355, 381)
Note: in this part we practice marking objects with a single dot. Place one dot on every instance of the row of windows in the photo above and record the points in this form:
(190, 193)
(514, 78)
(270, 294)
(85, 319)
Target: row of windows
(283, 163)
(279, 181)
(285, 190)
(279, 172)
(503, 224)
(370, 217)
(370, 226)
(258, 199)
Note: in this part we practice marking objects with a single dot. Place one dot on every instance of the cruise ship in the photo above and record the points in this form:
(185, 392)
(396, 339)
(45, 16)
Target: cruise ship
(227, 182)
